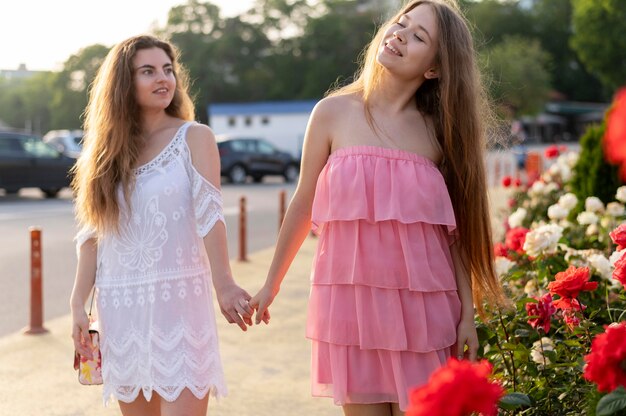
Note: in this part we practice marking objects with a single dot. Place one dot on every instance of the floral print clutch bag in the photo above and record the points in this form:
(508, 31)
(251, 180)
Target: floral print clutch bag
(90, 370)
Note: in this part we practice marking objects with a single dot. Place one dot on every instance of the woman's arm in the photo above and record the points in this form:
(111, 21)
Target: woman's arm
(83, 284)
(297, 222)
(466, 330)
(232, 299)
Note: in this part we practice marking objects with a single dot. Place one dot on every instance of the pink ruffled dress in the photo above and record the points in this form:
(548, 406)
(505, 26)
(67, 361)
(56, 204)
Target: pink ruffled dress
(384, 307)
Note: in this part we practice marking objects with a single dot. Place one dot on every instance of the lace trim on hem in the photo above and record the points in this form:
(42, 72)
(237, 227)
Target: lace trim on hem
(215, 388)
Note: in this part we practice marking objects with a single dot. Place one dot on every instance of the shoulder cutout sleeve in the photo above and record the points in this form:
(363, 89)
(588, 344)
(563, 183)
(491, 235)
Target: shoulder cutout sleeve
(207, 199)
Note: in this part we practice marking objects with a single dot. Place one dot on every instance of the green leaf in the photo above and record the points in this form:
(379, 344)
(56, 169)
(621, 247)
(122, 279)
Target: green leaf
(514, 400)
(612, 402)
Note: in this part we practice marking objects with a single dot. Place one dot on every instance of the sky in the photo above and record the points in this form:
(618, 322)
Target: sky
(42, 34)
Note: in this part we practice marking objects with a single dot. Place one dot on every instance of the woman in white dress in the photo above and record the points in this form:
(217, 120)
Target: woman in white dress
(153, 238)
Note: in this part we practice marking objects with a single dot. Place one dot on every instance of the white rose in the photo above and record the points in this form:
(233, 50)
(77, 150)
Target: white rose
(586, 218)
(615, 256)
(557, 212)
(539, 348)
(620, 195)
(615, 209)
(531, 288)
(592, 229)
(542, 239)
(537, 189)
(572, 159)
(551, 187)
(602, 265)
(566, 173)
(593, 204)
(516, 218)
(568, 201)
(503, 265)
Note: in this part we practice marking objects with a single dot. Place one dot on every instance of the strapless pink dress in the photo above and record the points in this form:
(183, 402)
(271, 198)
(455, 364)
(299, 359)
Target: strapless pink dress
(384, 307)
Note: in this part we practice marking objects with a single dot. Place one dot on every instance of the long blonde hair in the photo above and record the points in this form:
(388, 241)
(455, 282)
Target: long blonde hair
(112, 133)
(457, 103)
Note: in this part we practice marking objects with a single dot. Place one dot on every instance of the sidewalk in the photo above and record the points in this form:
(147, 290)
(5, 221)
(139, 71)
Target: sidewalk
(267, 368)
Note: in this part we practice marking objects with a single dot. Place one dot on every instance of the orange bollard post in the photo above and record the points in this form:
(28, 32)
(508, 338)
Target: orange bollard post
(36, 292)
(533, 166)
(242, 230)
(282, 197)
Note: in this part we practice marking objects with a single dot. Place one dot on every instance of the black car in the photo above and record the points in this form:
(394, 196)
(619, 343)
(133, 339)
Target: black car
(242, 157)
(27, 162)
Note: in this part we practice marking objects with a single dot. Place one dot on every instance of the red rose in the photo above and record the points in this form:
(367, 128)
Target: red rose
(618, 236)
(606, 364)
(506, 181)
(571, 282)
(619, 273)
(517, 182)
(614, 141)
(551, 152)
(500, 249)
(515, 238)
(543, 309)
(571, 318)
(566, 304)
(457, 389)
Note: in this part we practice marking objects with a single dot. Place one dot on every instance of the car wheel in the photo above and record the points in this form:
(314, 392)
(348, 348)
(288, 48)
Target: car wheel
(291, 173)
(257, 178)
(50, 193)
(237, 174)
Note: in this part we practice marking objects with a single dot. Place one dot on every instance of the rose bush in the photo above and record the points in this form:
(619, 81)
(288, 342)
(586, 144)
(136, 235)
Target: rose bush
(563, 265)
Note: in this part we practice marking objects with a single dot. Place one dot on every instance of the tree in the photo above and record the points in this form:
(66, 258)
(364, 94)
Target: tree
(551, 25)
(518, 79)
(225, 57)
(600, 38)
(25, 103)
(492, 20)
(70, 86)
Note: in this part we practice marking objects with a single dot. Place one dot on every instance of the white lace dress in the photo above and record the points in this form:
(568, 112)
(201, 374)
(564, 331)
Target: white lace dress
(153, 284)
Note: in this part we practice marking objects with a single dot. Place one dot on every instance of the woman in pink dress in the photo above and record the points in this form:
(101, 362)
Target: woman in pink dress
(393, 182)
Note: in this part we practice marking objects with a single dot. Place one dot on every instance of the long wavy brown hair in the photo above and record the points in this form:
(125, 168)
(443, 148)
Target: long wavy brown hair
(112, 133)
(461, 114)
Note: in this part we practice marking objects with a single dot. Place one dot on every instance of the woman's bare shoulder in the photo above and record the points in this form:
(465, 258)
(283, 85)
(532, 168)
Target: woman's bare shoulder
(330, 108)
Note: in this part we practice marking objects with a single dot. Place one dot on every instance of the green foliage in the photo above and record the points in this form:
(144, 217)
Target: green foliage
(551, 25)
(518, 74)
(593, 176)
(599, 38)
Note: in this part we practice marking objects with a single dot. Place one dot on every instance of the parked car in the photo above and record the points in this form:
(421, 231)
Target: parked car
(68, 142)
(242, 157)
(27, 162)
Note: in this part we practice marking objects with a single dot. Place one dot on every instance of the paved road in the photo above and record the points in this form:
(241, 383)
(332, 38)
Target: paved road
(55, 217)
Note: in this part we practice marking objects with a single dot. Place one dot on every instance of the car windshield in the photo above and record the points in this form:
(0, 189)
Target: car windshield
(37, 148)
(78, 140)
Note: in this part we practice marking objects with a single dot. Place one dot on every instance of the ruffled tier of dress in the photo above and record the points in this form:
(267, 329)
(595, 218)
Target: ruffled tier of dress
(384, 306)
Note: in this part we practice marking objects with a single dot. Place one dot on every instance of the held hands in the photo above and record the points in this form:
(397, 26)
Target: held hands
(233, 302)
(80, 334)
(466, 336)
(261, 301)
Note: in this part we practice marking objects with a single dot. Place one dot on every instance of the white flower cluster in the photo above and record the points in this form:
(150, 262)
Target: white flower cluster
(503, 265)
(562, 168)
(516, 218)
(543, 239)
(561, 209)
